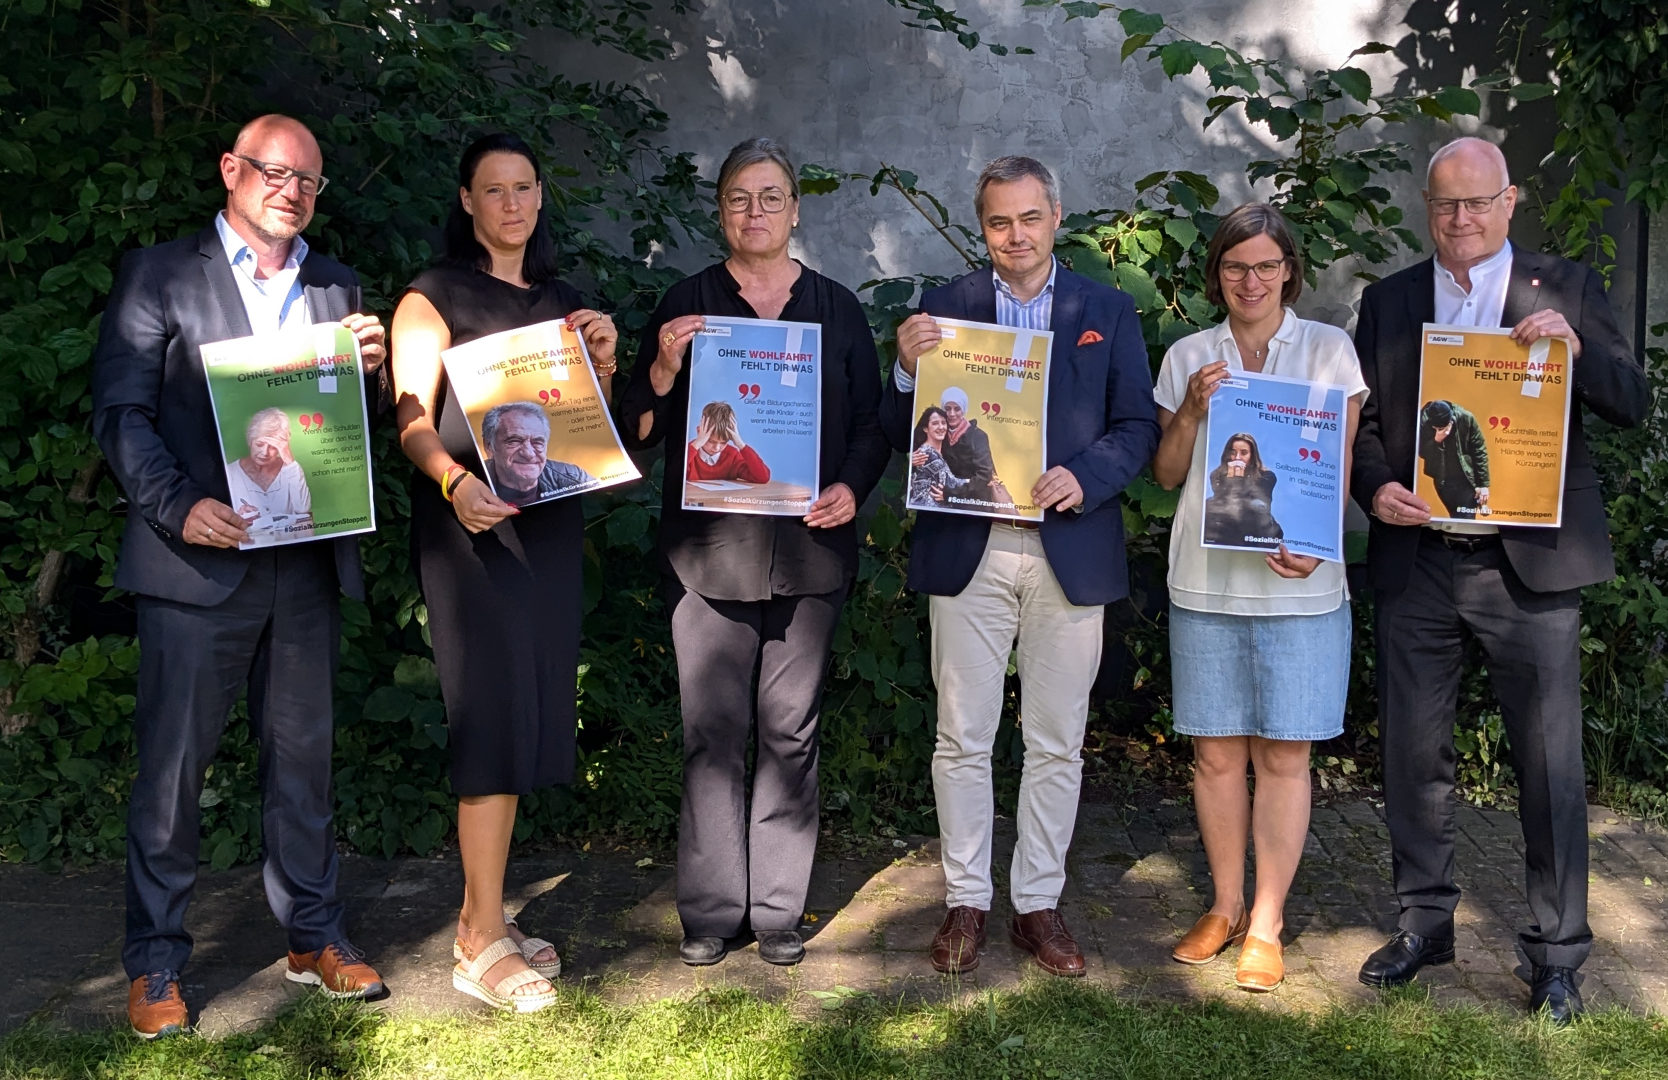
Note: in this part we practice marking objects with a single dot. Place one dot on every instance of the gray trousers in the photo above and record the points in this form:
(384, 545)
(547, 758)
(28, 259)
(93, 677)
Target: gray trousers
(279, 635)
(744, 857)
(1531, 642)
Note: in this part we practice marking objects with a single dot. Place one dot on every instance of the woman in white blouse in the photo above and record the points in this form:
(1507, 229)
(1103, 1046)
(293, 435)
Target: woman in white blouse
(1259, 643)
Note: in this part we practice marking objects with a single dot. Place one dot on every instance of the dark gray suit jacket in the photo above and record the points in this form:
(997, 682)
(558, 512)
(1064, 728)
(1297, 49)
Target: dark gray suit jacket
(1608, 379)
(153, 419)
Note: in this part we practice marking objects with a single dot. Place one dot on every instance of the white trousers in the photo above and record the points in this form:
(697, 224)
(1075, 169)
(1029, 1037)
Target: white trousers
(1014, 593)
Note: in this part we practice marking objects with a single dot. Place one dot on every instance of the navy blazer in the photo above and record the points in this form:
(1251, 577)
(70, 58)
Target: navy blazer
(1102, 425)
(153, 419)
(1608, 379)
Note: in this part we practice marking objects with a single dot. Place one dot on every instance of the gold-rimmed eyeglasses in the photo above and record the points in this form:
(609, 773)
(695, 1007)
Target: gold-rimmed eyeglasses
(771, 200)
(1268, 270)
(1477, 204)
(279, 176)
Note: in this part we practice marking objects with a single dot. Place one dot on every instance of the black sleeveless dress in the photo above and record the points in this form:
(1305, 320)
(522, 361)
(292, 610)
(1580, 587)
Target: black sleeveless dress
(504, 605)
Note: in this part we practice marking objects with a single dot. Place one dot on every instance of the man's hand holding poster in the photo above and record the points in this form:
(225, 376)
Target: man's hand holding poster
(753, 440)
(290, 411)
(1492, 420)
(981, 407)
(1275, 450)
(536, 412)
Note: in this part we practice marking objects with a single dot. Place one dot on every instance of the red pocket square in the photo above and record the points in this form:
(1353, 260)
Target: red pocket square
(1089, 337)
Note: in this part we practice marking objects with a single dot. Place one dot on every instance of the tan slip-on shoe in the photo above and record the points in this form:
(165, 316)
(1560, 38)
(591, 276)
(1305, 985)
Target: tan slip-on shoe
(1209, 938)
(1262, 965)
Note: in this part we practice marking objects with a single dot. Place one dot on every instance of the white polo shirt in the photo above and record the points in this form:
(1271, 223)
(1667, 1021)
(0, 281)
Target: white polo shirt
(1240, 582)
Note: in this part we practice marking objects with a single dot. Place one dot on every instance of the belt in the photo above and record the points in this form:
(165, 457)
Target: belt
(1470, 544)
(1012, 524)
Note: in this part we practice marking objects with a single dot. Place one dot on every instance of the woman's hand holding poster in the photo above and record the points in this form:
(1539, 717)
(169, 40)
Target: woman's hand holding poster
(1275, 451)
(536, 412)
(290, 410)
(753, 443)
(1492, 417)
(981, 407)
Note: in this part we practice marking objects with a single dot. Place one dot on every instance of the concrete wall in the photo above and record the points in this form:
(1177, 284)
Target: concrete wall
(843, 83)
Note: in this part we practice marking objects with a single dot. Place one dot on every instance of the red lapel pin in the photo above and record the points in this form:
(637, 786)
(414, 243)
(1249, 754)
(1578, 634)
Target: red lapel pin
(1535, 281)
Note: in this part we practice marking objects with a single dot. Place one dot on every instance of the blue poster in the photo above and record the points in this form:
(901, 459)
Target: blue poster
(753, 443)
(1275, 451)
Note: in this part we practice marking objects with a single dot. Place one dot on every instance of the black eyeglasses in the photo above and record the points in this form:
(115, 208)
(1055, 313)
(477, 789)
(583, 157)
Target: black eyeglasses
(771, 200)
(1478, 204)
(279, 176)
(1265, 271)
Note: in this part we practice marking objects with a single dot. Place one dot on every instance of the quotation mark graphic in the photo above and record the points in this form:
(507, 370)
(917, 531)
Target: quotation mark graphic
(1309, 455)
(990, 408)
(551, 396)
(748, 393)
(308, 423)
(1504, 423)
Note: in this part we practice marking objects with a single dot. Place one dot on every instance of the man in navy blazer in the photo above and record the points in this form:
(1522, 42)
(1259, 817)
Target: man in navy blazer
(213, 618)
(993, 581)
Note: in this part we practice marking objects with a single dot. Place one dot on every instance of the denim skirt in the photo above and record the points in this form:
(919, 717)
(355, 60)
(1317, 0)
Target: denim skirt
(1273, 676)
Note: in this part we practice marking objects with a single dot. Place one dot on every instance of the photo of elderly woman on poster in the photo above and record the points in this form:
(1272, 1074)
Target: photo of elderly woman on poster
(268, 488)
(717, 453)
(931, 479)
(1239, 510)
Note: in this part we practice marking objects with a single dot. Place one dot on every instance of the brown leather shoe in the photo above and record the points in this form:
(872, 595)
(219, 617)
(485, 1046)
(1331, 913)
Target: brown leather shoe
(339, 968)
(955, 948)
(155, 1006)
(1262, 966)
(1210, 936)
(1043, 934)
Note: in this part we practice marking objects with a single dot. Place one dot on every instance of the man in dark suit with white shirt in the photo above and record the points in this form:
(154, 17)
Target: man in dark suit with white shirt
(214, 619)
(1516, 590)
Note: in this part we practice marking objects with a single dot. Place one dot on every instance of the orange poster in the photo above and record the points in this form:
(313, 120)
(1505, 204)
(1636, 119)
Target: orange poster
(1492, 421)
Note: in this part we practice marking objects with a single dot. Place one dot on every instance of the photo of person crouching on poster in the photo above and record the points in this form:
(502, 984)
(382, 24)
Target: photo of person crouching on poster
(1240, 507)
(517, 438)
(718, 454)
(1455, 457)
(268, 488)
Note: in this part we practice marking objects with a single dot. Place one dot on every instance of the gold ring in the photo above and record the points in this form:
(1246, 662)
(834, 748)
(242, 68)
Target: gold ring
(668, 337)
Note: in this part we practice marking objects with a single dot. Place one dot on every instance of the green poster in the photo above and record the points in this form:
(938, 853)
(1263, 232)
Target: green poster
(290, 409)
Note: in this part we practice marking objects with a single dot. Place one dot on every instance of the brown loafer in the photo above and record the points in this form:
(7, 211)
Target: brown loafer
(1043, 934)
(955, 948)
(1262, 966)
(155, 1006)
(1209, 938)
(339, 968)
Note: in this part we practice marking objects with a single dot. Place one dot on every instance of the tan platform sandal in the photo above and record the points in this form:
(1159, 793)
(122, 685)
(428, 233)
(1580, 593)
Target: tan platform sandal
(469, 977)
(1262, 965)
(531, 947)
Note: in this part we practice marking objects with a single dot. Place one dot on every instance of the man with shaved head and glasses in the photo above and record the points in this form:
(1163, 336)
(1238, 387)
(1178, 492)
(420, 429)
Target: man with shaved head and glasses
(216, 621)
(1517, 591)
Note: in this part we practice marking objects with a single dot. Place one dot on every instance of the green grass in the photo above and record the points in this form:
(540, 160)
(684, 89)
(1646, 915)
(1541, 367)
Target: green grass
(1049, 1030)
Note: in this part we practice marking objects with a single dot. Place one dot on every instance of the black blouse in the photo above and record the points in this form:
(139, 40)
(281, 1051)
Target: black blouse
(751, 557)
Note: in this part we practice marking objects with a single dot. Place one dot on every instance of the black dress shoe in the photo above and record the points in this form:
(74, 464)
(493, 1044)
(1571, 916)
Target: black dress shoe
(1554, 990)
(781, 947)
(701, 951)
(1402, 956)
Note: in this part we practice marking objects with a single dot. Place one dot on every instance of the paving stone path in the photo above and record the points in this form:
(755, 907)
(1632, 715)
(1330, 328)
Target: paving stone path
(1138, 881)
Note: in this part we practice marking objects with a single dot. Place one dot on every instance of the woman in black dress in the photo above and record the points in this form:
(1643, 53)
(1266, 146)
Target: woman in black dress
(750, 592)
(502, 584)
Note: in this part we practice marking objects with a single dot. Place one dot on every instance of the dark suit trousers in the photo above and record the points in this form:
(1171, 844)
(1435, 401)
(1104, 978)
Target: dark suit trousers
(279, 634)
(1531, 642)
(746, 861)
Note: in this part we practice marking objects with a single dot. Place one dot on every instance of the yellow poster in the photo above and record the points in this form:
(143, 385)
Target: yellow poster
(1492, 418)
(537, 414)
(981, 406)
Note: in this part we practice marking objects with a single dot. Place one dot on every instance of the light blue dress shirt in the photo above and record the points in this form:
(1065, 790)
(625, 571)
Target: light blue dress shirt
(274, 303)
(1033, 314)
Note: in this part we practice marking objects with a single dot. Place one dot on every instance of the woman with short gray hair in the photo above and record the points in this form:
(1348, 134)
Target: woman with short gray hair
(746, 591)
